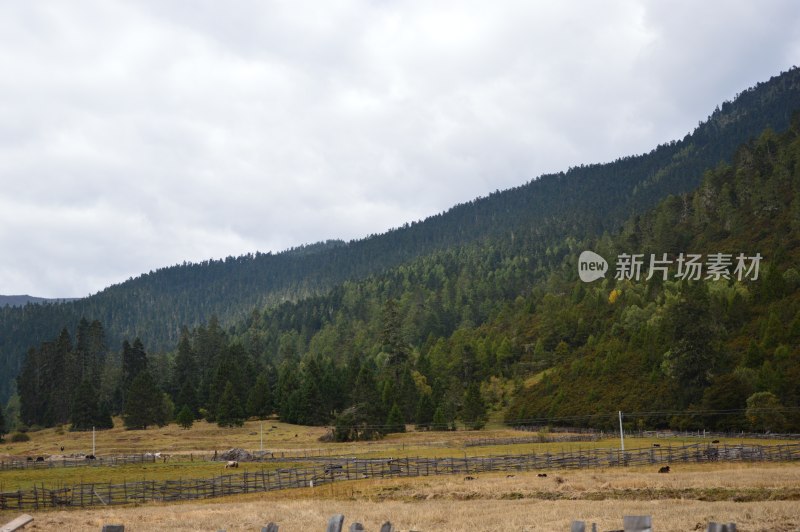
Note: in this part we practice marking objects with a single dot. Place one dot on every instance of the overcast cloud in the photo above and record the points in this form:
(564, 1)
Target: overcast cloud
(136, 135)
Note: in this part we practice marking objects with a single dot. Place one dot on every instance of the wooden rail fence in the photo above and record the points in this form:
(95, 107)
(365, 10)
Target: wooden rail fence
(69, 461)
(336, 470)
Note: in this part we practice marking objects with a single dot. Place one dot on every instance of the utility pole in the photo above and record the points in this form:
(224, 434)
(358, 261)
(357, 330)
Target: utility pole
(621, 434)
(262, 438)
(93, 450)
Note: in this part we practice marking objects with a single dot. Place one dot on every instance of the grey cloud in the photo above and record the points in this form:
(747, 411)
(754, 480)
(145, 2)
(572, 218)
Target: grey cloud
(139, 135)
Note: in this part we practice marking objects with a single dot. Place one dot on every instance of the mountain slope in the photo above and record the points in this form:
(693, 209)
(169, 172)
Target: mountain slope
(583, 200)
(680, 354)
(22, 300)
(513, 318)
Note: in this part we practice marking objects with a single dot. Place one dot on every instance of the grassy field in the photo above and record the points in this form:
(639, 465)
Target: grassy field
(763, 496)
(191, 450)
(755, 496)
(204, 438)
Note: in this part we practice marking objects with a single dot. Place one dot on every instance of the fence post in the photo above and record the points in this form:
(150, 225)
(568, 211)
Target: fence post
(637, 523)
(720, 527)
(335, 523)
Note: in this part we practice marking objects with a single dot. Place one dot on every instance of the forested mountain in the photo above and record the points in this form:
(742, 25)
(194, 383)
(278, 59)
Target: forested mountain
(504, 324)
(689, 354)
(537, 218)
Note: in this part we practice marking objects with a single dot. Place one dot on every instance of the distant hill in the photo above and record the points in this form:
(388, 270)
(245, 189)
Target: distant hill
(580, 202)
(21, 301)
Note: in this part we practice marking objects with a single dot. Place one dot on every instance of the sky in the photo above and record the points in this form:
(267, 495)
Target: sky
(138, 135)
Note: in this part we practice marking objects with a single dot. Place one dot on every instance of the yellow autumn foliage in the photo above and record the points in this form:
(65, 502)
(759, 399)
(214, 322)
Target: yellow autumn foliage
(614, 295)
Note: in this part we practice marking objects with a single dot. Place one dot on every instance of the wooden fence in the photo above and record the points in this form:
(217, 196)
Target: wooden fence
(70, 461)
(336, 470)
(541, 438)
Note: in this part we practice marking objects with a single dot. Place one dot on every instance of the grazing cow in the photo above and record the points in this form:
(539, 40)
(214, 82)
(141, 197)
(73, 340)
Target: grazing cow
(469, 478)
(29, 459)
(656, 445)
(664, 469)
(715, 441)
(542, 475)
(509, 476)
(40, 458)
(231, 463)
(91, 457)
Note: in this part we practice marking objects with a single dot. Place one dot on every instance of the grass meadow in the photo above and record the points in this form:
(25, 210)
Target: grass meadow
(757, 496)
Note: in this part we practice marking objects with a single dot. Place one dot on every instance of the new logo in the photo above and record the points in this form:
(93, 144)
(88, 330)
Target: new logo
(591, 266)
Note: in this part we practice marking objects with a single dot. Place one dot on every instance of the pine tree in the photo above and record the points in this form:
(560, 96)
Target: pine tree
(3, 428)
(259, 401)
(473, 412)
(425, 411)
(188, 397)
(104, 420)
(367, 398)
(185, 417)
(439, 420)
(144, 405)
(185, 370)
(395, 421)
(134, 361)
(85, 411)
(229, 408)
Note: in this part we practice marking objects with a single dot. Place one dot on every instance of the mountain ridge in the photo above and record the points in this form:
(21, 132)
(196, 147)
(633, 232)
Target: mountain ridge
(585, 199)
(23, 299)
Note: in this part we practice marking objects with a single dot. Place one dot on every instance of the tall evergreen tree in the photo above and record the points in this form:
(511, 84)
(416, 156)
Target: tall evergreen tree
(185, 418)
(259, 401)
(62, 379)
(144, 404)
(185, 370)
(367, 398)
(473, 411)
(229, 408)
(395, 421)
(425, 411)
(3, 427)
(85, 411)
(134, 361)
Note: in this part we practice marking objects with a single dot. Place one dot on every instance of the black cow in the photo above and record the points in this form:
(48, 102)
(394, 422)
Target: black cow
(664, 469)
(40, 458)
(542, 475)
(91, 457)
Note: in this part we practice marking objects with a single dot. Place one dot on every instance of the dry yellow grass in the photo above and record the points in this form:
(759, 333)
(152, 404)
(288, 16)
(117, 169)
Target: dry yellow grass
(524, 502)
(204, 438)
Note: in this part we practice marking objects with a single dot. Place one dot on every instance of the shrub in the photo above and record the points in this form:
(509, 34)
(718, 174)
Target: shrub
(18, 437)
